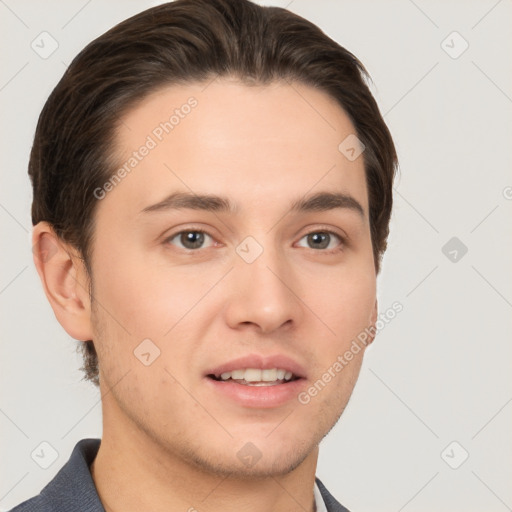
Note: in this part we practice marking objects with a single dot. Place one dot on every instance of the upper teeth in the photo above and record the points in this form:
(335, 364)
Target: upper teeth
(257, 375)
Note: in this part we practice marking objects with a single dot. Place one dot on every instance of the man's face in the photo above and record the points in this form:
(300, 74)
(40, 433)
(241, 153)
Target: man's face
(288, 288)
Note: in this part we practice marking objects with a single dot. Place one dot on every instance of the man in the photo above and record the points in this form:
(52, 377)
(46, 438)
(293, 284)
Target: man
(212, 192)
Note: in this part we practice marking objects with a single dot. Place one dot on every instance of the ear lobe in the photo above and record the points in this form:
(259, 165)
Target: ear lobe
(65, 281)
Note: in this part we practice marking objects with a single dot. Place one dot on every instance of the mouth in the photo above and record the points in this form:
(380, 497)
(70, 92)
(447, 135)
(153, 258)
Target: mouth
(257, 381)
(256, 376)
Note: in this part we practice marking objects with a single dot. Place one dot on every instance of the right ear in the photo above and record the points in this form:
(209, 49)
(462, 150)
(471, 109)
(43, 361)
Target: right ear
(65, 281)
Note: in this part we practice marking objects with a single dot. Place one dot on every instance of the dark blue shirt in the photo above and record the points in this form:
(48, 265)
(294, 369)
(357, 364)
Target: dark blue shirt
(73, 489)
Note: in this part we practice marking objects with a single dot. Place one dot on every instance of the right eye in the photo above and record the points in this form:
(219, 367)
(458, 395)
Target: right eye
(190, 239)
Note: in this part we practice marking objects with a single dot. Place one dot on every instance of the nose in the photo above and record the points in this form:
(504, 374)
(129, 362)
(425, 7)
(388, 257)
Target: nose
(264, 295)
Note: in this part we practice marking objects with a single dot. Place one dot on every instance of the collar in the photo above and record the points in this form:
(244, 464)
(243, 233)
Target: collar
(319, 500)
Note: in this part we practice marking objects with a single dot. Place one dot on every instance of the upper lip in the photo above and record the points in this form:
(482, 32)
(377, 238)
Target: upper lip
(261, 362)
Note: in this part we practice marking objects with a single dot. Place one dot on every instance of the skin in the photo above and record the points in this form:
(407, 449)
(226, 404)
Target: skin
(169, 441)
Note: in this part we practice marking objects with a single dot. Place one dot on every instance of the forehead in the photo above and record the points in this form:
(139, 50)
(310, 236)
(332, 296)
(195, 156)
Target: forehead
(254, 144)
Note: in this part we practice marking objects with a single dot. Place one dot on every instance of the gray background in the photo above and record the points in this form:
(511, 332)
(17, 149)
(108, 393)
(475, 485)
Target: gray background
(438, 373)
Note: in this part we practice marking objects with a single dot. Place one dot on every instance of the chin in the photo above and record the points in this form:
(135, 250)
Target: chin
(278, 467)
(258, 464)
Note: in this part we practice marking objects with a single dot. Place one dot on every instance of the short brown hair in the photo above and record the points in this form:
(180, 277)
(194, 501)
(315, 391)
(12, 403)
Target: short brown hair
(182, 42)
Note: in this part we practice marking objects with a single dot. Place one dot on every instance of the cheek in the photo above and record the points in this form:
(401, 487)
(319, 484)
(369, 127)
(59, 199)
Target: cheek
(344, 302)
(145, 297)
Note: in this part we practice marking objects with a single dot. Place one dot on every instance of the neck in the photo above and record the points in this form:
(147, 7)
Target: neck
(132, 472)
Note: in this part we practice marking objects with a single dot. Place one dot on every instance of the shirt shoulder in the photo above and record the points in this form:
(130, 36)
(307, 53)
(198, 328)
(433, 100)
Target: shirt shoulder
(72, 488)
(35, 504)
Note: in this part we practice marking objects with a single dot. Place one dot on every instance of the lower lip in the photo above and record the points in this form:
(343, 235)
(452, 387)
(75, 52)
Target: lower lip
(263, 397)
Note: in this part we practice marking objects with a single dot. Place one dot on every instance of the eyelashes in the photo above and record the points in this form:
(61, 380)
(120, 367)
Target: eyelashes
(194, 242)
(318, 240)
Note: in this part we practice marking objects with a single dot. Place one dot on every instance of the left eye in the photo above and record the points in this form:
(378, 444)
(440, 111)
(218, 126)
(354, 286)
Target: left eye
(192, 239)
(321, 240)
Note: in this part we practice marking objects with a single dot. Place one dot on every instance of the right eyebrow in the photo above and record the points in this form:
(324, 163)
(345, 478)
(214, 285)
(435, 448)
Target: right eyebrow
(182, 200)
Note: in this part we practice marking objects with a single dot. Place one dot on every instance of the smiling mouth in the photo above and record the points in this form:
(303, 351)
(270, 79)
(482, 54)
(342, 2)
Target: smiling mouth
(256, 377)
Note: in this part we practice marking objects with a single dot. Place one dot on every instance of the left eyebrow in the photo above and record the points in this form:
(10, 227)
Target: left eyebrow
(320, 202)
(324, 201)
